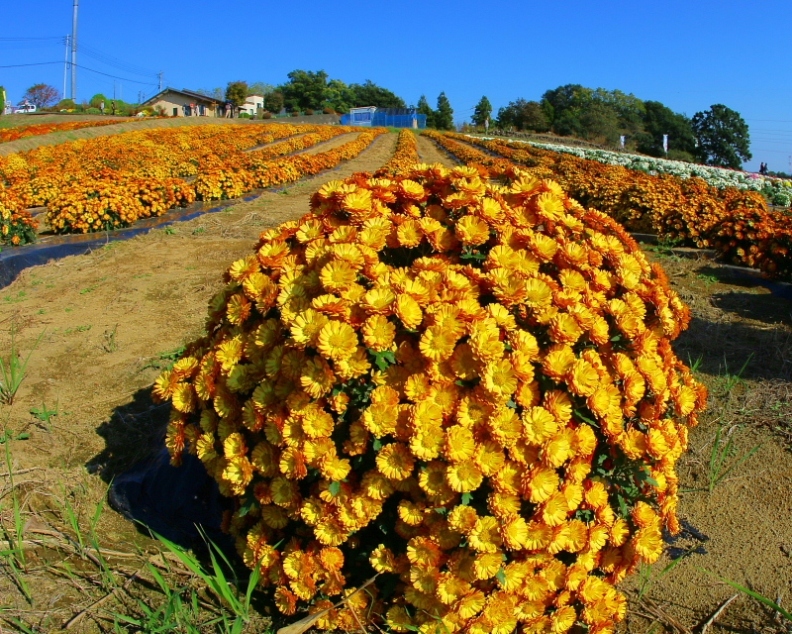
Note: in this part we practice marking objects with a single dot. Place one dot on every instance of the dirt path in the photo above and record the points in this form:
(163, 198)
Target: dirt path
(430, 153)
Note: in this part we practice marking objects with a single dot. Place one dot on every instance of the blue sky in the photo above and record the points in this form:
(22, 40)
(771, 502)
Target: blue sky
(688, 55)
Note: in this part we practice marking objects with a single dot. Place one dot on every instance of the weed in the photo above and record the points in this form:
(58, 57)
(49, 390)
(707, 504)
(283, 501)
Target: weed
(13, 299)
(13, 370)
(754, 595)
(721, 452)
(695, 365)
(84, 328)
(707, 280)
(198, 230)
(170, 231)
(647, 576)
(165, 360)
(14, 556)
(732, 380)
(43, 414)
(110, 344)
(217, 581)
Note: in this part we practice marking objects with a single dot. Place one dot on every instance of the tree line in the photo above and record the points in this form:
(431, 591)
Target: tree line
(717, 136)
(315, 91)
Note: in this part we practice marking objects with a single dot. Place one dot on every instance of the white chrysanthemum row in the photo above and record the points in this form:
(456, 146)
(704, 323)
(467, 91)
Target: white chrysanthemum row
(778, 191)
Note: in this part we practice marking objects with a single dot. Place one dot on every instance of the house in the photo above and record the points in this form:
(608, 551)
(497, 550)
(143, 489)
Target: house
(253, 105)
(184, 103)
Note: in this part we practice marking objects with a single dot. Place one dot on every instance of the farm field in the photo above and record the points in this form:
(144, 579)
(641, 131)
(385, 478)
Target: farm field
(99, 328)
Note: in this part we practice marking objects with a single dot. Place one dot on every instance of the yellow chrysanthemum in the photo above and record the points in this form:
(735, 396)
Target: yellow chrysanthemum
(378, 333)
(337, 340)
(485, 535)
(395, 461)
(464, 476)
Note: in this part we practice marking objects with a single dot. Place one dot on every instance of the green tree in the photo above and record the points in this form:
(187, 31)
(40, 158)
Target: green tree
(237, 93)
(523, 115)
(723, 137)
(594, 114)
(260, 88)
(98, 99)
(370, 94)
(424, 108)
(305, 89)
(482, 112)
(339, 96)
(42, 95)
(659, 120)
(599, 121)
(273, 101)
(212, 93)
(444, 115)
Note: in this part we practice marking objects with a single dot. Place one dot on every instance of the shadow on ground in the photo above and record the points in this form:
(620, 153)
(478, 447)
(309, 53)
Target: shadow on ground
(180, 503)
(766, 353)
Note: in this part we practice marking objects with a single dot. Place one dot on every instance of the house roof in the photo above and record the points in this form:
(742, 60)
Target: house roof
(187, 93)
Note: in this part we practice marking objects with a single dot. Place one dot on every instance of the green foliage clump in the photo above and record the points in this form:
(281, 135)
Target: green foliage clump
(723, 137)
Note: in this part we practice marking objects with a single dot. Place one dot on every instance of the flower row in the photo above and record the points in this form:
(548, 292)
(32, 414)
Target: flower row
(64, 176)
(102, 204)
(37, 129)
(778, 191)
(462, 387)
(735, 222)
(405, 155)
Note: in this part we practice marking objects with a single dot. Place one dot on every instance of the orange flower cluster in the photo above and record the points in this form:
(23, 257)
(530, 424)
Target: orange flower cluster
(236, 178)
(756, 238)
(467, 154)
(103, 204)
(37, 129)
(405, 155)
(735, 222)
(466, 386)
(298, 143)
(137, 171)
(16, 225)
(673, 207)
(39, 175)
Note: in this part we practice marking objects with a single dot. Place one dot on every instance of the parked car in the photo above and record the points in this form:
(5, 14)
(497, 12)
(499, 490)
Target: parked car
(25, 108)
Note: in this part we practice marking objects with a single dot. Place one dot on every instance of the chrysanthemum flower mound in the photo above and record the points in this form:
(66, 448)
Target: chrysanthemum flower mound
(465, 386)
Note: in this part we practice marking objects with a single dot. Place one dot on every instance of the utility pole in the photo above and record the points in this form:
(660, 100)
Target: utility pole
(65, 67)
(74, 53)
(159, 74)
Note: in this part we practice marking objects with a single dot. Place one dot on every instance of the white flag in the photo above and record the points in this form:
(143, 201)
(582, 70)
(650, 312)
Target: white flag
(665, 143)
(621, 140)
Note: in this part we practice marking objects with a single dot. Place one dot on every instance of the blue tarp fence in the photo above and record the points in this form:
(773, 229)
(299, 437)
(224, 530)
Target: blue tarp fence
(385, 118)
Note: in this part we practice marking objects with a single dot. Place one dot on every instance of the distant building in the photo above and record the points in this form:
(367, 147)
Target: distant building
(183, 103)
(253, 105)
(384, 117)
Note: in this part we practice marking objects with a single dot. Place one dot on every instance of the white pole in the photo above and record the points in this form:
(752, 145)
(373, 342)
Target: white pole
(65, 67)
(74, 53)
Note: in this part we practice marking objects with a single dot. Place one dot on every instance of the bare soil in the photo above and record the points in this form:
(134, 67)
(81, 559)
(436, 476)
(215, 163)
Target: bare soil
(101, 326)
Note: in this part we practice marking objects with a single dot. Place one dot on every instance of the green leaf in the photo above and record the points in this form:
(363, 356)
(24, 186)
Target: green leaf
(467, 498)
(334, 488)
(501, 576)
(586, 419)
(376, 444)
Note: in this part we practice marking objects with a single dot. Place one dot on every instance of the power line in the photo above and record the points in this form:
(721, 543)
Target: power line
(113, 61)
(33, 64)
(29, 39)
(98, 72)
